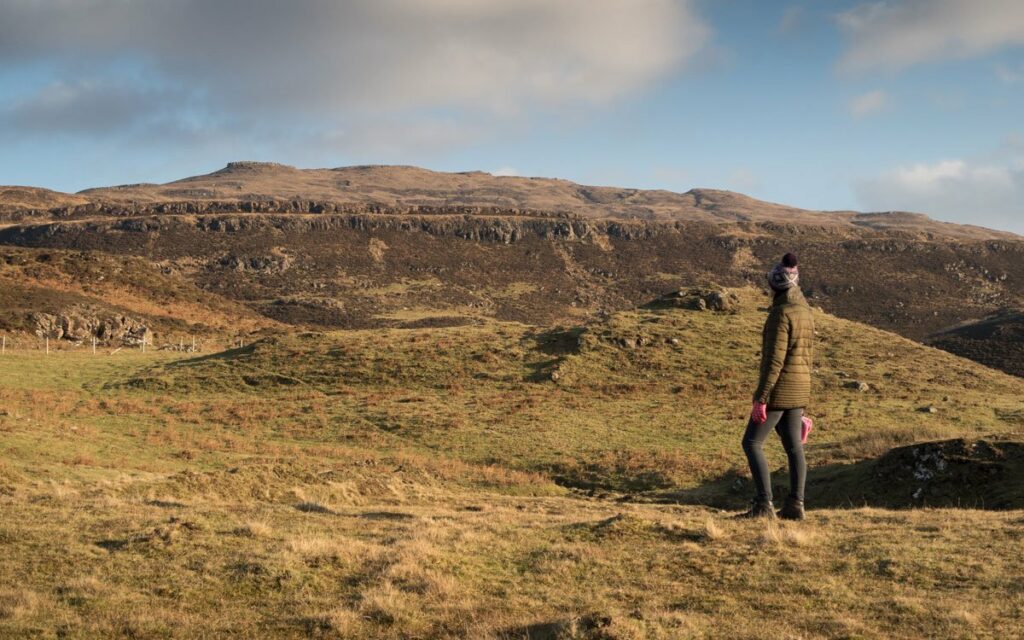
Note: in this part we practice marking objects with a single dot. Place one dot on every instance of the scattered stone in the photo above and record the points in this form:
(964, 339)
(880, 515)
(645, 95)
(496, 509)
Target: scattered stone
(177, 346)
(257, 264)
(928, 409)
(857, 385)
(628, 343)
(673, 341)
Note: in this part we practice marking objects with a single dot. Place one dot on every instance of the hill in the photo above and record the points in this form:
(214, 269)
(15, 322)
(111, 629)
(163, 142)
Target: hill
(13, 198)
(366, 247)
(503, 481)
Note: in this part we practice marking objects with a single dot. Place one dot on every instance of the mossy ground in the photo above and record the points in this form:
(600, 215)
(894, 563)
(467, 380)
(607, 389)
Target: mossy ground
(491, 480)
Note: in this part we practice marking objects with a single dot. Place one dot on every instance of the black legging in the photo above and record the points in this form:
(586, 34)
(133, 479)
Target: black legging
(787, 424)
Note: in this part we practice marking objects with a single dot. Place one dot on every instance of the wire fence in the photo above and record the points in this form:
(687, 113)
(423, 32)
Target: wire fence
(179, 344)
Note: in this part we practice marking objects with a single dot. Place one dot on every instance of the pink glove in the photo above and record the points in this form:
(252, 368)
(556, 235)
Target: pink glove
(806, 425)
(759, 415)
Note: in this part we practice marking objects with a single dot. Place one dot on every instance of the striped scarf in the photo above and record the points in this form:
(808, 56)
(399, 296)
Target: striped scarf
(782, 277)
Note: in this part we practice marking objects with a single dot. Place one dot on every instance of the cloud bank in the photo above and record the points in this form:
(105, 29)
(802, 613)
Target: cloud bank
(338, 67)
(899, 34)
(957, 190)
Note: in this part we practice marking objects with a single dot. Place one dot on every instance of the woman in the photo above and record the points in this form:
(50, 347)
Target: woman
(783, 391)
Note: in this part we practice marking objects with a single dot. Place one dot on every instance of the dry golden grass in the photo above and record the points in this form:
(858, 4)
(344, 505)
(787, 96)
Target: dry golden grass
(386, 501)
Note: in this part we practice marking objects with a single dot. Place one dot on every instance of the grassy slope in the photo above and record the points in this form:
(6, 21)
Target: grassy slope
(618, 418)
(400, 484)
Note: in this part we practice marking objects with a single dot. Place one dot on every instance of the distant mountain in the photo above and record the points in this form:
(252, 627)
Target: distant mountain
(401, 188)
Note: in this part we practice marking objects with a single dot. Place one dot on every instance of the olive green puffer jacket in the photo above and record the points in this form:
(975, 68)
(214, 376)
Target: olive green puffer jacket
(786, 353)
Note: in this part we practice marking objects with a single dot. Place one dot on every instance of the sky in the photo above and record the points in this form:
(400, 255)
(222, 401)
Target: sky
(830, 104)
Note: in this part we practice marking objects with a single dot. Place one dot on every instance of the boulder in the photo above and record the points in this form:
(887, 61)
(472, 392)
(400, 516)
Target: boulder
(721, 301)
(698, 299)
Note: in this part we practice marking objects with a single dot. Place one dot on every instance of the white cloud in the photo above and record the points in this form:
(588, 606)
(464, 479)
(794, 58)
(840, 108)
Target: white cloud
(868, 103)
(349, 65)
(989, 193)
(901, 33)
(507, 171)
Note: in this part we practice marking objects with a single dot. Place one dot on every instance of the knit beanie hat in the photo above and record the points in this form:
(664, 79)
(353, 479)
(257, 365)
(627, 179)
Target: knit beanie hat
(786, 274)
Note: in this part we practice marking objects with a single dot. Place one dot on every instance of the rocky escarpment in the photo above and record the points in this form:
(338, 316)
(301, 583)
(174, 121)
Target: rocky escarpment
(485, 228)
(359, 270)
(81, 324)
(198, 207)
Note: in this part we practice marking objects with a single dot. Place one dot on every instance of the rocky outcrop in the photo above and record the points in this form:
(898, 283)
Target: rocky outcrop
(698, 299)
(80, 325)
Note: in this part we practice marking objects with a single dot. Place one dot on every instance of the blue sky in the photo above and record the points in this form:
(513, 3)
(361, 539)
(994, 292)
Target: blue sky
(905, 104)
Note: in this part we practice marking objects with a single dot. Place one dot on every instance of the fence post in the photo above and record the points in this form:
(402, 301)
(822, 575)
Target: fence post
(3, 348)
(94, 345)
(47, 345)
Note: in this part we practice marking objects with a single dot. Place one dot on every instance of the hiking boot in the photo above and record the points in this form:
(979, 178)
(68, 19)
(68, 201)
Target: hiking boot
(793, 510)
(759, 509)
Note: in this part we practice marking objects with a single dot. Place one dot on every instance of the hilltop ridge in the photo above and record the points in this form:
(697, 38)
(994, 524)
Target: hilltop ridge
(388, 188)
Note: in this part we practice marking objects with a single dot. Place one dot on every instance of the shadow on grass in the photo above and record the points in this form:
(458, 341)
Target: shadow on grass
(981, 474)
(219, 356)
(559, 343)
(591, 626)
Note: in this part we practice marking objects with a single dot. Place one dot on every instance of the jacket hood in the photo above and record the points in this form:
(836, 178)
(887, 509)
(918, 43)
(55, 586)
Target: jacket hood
(792, 295)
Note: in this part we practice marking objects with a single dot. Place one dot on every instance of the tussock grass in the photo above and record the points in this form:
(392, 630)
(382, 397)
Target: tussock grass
(788, 535)
(17, 603)
(714, 531)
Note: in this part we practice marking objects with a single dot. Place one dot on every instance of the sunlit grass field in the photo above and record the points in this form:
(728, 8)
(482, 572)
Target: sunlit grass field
(492, 481)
